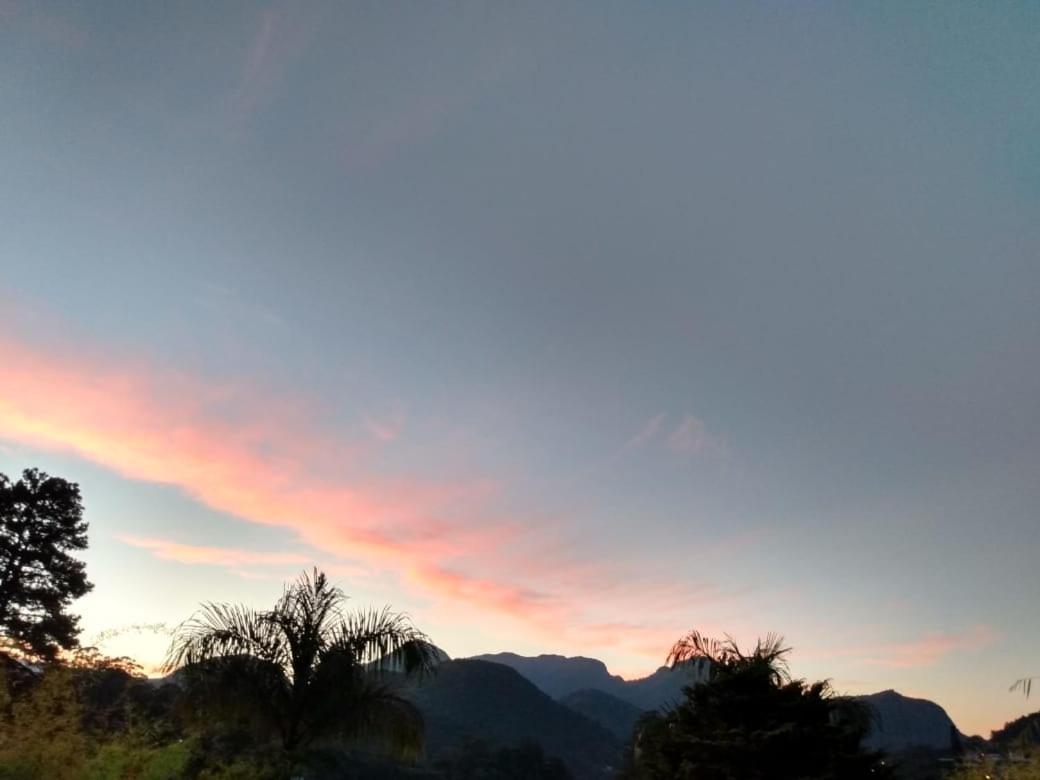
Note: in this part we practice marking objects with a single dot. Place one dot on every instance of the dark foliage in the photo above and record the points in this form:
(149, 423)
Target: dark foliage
(1021, 732)
(751, 721)
(116, 700)
(479, 761)
(920, 763)
(41, 522)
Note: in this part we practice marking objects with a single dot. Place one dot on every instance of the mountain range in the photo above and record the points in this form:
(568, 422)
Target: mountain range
(560, 676)
(579, 712)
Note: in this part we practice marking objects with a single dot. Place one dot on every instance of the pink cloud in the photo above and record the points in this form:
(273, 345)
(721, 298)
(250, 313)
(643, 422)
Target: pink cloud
(932, 648)
(269, 460)
(253, 457)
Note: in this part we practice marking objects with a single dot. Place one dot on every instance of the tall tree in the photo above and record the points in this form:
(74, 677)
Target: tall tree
(750, 721)
(305, 670)
(41, 523)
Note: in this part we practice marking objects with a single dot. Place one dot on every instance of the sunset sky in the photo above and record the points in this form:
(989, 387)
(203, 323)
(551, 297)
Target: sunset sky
(563, 327)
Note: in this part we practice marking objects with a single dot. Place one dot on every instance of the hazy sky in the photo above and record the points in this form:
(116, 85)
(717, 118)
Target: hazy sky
(564, 327)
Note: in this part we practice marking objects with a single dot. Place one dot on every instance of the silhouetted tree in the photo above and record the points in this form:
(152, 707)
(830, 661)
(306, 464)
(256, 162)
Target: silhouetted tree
(41, 522)
(750, 721)
(305, 670)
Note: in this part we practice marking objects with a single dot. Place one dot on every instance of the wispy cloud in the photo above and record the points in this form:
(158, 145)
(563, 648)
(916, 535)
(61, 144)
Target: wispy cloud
(689, 436)
(387, 425)
(646, 433)
(234, 559)
(42, 24)
(409, 117)
(926, 650)
(280, 35)
(932, 648)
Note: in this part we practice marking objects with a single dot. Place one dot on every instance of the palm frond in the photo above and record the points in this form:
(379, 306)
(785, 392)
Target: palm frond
(306, 612)
(696, 647)
(311, 600)
(708, 655)
(219, 630)
(1025, 685)
(383, 640)
(771, 651)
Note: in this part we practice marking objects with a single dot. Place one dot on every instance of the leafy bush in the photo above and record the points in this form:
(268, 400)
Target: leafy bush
(42, 733)
(122, 760)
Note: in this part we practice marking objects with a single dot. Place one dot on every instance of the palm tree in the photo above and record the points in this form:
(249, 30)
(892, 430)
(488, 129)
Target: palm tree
(306, 670)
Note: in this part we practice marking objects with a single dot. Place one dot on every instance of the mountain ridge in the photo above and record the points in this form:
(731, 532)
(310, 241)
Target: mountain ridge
(900, 722)
(559, 676)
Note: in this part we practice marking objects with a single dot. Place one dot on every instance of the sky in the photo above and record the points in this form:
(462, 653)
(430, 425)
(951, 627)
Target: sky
(563, 327)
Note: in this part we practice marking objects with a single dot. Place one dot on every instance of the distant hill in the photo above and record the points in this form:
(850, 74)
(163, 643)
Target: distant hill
(904, 723)
(477, 701)
(559, 676)
(616, 715)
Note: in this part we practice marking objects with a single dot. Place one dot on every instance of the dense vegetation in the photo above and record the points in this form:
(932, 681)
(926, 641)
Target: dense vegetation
(308, 689)
(1022, 733)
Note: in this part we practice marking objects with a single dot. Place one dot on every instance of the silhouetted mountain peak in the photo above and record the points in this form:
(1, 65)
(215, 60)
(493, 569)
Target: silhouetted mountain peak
(903, 722)
(473, 699)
